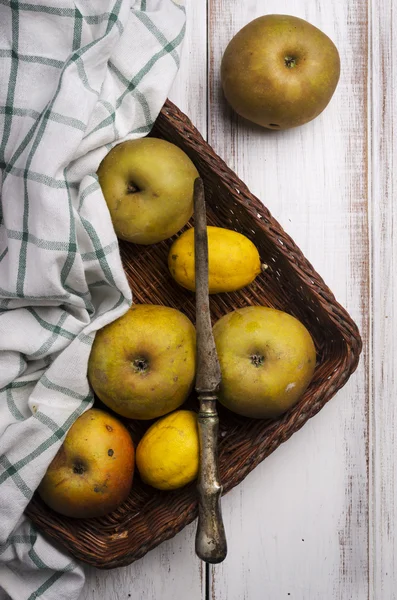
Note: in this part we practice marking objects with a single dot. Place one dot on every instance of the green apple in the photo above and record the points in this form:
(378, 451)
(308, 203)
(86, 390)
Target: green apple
(280, 71)
(148, 187)
(267, 360)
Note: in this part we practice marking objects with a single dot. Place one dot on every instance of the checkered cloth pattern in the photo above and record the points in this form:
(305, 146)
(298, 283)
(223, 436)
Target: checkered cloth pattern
(76, 79)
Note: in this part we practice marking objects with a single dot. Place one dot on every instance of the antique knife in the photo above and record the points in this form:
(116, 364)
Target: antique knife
(210, 537)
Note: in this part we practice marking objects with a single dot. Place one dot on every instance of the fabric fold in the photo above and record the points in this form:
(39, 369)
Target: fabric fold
(77, 79)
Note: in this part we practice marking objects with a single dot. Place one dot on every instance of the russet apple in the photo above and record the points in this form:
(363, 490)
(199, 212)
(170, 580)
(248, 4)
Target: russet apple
(91, 475)
(143, 364)
(267, 360)
(280, 71)
(148, 187)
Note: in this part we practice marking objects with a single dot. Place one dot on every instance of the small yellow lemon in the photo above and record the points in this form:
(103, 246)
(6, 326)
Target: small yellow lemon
(167, 456)
(233, 260)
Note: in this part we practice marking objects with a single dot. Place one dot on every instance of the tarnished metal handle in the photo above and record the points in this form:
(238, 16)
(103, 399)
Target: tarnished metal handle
(210, 537)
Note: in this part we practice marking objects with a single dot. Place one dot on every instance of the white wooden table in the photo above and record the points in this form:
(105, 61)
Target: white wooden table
(316, 520)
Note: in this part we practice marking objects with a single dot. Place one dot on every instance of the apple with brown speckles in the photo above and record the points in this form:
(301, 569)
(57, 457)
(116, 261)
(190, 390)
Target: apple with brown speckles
(142, 365)
(267, 360)
(92, 473)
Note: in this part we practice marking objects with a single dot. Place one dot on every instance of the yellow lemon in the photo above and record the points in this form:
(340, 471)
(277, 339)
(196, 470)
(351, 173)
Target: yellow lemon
(233, 260)
(167, 456)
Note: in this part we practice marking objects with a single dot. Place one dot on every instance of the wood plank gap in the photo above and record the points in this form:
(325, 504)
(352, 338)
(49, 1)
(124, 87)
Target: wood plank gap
(371, 423)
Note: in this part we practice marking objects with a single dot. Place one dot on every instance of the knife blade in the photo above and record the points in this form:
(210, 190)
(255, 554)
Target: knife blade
(208, 377)
(211, 543)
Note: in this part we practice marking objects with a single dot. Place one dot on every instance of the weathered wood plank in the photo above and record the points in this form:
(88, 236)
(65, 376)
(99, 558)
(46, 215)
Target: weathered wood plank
(383, 213)
(298, 525)
(167, 572)
(189, 91)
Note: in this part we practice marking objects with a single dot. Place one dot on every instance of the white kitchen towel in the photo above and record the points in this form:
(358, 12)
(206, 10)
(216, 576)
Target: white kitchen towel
(76, 78)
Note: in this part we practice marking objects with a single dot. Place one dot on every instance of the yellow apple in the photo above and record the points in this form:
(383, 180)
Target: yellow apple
(267, 359)
(148, 187)
(143, 364)
(91, 475)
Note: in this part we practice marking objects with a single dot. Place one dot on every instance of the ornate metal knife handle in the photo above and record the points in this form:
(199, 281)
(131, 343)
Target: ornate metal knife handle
(210, 538)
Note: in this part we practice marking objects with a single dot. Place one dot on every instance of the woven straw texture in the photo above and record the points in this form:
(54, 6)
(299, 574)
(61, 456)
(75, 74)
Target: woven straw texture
(149, 517)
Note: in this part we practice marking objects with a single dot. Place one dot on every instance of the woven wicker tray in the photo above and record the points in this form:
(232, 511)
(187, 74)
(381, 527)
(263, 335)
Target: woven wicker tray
(149, 517)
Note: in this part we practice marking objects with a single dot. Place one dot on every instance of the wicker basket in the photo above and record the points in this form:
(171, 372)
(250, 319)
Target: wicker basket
(149, 517)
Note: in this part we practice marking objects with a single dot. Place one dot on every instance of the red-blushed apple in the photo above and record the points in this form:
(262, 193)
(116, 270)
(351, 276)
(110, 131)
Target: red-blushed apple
(91, 475)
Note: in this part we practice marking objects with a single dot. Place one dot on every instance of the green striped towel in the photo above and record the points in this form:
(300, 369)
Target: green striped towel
(76, 79)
